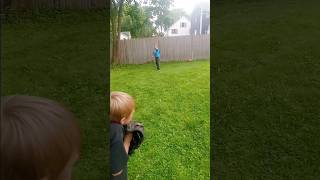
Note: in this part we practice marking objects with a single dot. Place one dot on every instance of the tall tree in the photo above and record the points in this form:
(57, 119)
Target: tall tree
(159, 8)
(137, 21)
(116, 18)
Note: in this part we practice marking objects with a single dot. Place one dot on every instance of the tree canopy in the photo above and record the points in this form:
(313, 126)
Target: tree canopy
(137, 21)
(136, 17)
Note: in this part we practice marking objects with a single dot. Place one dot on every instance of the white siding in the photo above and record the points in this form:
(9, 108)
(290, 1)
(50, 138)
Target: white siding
(125, 35)
(181, 31)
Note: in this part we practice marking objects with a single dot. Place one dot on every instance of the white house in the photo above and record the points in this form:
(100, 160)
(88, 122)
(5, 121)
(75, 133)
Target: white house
(180, 27)
(125, 35)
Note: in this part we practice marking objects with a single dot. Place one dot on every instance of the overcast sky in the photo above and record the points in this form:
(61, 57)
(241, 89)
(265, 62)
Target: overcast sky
(187, 5)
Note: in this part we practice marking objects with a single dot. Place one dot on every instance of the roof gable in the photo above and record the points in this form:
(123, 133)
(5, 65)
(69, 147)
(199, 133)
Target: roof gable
(182, 18)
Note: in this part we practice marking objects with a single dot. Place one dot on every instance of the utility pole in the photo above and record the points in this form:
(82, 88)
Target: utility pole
(200, 21)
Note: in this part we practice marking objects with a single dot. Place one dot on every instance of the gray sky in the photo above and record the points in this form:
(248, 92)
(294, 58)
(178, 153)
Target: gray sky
(187, 5)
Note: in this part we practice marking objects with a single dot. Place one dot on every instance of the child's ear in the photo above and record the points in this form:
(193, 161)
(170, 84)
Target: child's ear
(123, 120)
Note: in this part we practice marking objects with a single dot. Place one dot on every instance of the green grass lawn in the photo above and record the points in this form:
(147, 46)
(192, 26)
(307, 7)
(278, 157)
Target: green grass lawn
(266, 74)
(174, 105)
(62, 56)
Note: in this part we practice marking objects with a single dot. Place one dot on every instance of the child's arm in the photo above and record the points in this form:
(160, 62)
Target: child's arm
(127, 140)
(119, 156)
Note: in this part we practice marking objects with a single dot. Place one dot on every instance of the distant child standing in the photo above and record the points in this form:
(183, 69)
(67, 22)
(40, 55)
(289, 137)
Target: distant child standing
(156, 54)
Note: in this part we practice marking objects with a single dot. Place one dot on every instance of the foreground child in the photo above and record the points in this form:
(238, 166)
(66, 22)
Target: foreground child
(122, 107)
(40, 139)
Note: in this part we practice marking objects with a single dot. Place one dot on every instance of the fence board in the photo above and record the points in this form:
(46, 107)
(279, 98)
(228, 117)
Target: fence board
(180, 48)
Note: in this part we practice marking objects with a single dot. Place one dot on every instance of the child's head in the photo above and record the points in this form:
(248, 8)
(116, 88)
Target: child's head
(40, 139)
(122, 106)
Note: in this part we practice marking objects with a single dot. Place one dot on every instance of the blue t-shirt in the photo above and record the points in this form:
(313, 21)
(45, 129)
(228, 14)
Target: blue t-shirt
(156, 53)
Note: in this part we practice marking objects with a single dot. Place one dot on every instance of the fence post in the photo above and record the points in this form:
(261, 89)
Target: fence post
(191, 47)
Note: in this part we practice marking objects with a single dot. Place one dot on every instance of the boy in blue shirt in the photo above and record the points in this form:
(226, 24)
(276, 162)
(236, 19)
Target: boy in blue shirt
(156, 54)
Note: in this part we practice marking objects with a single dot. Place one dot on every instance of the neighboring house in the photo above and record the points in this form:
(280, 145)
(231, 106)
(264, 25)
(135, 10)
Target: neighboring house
(200, 19)
(125, 35)
(180, 28)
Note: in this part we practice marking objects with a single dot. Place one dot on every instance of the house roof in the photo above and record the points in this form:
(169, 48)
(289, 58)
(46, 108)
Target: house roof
(179, 20)
(183, 17)
(126, 33)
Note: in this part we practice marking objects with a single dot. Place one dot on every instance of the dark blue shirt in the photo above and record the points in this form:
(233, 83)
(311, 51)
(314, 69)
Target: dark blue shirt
(119, 156)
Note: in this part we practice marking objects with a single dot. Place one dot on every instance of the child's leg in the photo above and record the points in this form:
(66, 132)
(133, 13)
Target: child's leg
(158, 64)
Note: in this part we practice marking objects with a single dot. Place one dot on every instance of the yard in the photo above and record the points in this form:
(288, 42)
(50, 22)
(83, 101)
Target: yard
(266, 74)
(174, 106)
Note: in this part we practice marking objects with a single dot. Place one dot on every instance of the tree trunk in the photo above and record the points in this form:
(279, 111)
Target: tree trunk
(114, 39)
(114, 13)
(117, 44)
(116, 18)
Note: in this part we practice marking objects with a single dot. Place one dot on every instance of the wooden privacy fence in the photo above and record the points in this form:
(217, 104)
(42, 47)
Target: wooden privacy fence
(179, 48)
(57, 4)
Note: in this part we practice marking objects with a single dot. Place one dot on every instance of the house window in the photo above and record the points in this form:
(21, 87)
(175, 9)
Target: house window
(174, 31)
(183, 25)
